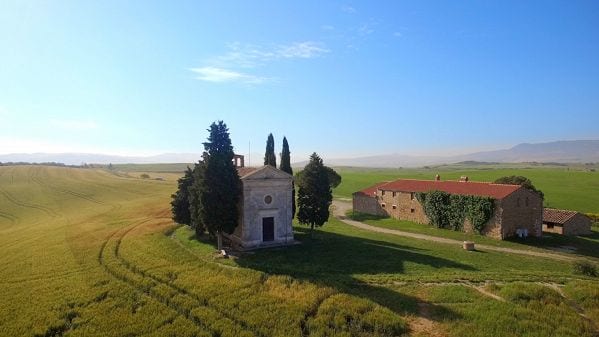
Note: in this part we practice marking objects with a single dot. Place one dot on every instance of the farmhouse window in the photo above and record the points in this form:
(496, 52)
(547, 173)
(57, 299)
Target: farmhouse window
(394, 206)
(382, 192)
(393, 194)
(383, 205)
(549, 225)
(411, 210)
(412, 196)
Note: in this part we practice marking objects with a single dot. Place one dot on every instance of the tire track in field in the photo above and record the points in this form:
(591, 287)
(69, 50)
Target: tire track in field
(114, 207)
(185, 312)
(13, 219)
(180, 290)
(37, 180)
(67, 191)
(311, 313)
(181, 311)
(20, 203)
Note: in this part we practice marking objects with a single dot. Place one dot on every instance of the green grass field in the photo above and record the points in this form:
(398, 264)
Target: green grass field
(585, 246)
(564, 187)
(87, 252)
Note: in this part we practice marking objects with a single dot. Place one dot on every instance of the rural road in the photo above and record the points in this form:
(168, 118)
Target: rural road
(341, 207)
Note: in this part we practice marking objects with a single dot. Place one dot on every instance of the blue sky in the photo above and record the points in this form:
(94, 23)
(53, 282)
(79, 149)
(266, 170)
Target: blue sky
(339, 78)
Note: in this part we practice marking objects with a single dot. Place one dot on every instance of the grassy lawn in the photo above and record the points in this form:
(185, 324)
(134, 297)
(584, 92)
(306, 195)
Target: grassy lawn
(563, 187)
(587, 246)
(89, 253)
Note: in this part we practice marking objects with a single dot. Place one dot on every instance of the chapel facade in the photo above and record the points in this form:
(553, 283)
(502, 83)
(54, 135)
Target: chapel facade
(265, 217)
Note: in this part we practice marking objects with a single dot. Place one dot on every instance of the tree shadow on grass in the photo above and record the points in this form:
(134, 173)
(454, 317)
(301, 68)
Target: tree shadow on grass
(332, 260)
(359, 216)
(333, 254)
(587, 245)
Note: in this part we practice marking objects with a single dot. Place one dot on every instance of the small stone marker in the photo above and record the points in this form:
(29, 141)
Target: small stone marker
(468, 245)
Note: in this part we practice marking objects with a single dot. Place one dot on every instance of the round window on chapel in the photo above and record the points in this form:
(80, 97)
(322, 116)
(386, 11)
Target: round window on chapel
(268, 199)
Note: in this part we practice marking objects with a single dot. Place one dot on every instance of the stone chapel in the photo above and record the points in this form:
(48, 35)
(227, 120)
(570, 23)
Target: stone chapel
(265, 207)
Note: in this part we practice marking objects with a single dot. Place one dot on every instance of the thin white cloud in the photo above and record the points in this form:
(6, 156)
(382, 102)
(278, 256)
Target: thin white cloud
(365, 29)
(252, 56)
(397, 34)
(221, 75)
(233, 65)
(243, 56)
(306, 49)
(73, 124)
(348, 9)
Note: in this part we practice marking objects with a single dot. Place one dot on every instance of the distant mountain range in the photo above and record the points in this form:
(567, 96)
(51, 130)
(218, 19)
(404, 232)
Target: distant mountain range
(575, 151)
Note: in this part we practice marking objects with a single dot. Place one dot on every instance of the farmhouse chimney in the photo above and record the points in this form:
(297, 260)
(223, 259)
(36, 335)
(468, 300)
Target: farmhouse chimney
(437, 177)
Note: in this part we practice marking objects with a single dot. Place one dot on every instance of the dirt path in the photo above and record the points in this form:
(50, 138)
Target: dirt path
(340, 208)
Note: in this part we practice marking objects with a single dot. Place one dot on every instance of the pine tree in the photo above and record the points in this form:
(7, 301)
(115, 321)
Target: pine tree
(180, 202)
(220, 190)
(314, 194)
(269, 156)
(286, 167)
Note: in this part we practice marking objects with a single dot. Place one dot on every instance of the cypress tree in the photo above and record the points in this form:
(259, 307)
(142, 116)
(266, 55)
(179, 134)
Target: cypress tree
(286, 167)
(269, 156)
(180, 202)
(219, 192)
(314, 195)
(194, 199)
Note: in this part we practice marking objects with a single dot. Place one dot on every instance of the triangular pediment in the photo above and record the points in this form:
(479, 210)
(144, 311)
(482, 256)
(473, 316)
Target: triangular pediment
(266, 172)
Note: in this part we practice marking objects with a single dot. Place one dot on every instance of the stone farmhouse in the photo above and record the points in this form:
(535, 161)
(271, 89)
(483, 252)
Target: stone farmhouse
(265, 208)
(518, 211)
(566, 222)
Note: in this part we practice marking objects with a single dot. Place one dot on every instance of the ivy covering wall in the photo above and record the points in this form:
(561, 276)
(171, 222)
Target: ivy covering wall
(446, 210)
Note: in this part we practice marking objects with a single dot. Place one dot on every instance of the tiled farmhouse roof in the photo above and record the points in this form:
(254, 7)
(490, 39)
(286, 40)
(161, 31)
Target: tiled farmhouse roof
(244, 171)
(371, 191)
(497, 191)
(559, 216)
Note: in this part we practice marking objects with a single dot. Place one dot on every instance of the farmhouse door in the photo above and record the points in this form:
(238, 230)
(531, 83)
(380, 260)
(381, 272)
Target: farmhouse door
(268, 229)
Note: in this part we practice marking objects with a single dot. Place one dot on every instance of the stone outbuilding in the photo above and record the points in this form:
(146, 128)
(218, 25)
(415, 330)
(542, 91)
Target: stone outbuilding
(566, 222)
(265, 217)
(517, 211)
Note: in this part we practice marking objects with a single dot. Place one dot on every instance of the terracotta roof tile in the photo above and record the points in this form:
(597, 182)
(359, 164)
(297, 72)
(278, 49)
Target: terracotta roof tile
(244, 171)
(371, 191)
(497, 191)
(559, 216)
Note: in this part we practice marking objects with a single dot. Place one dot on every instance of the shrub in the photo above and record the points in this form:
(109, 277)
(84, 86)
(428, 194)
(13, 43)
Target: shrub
(144, 176)
(584, 267)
